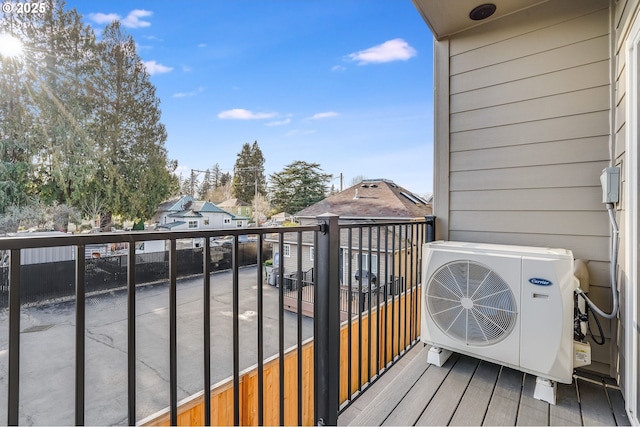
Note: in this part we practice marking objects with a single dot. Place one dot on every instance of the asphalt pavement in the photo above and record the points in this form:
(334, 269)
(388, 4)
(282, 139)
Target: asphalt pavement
(47, 368)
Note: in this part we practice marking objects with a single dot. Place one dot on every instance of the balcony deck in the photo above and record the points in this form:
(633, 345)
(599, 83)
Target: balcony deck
(467, 391)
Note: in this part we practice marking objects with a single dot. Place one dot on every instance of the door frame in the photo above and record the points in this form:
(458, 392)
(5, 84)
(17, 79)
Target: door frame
(632, 229)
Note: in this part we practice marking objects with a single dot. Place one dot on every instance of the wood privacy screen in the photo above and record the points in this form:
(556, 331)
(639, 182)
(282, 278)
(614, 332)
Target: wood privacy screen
(402, 328)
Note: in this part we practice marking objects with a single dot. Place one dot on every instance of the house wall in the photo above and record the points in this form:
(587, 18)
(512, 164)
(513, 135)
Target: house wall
(625, 12)
(523, 132)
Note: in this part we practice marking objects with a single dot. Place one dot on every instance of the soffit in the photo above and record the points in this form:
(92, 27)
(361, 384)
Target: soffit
(448, 17)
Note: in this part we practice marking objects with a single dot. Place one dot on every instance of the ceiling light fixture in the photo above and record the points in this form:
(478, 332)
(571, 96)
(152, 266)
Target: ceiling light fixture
(482, 12)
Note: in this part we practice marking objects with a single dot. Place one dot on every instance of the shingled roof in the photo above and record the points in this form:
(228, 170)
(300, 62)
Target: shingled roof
(371, 199)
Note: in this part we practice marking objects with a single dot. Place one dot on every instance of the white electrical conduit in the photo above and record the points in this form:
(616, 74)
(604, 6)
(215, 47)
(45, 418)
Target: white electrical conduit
(614, 263)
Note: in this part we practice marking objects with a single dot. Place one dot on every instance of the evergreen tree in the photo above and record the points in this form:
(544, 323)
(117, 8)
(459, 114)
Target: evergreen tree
(225, 179)
(18, 143)
(133, 173)
(206, 185)
(216, 176)
(64, 54)
(79, 118)
(248, 173)
(297, 186)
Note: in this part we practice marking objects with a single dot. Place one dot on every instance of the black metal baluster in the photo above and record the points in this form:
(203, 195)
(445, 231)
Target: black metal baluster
(173, 331)
(349, 310)
(80, 334)
(235, 264)
(206, 297)
(260, 334)
(131, 331)
(395, 327)
(369, 291)
(387, 291)
(14, 340)
(360, 309)
(299, 268)
(378, 284)
(410, 243)
(406, 283)
(281, 328)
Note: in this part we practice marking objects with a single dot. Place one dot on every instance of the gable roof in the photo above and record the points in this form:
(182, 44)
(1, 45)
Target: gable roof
(200, 206)
(175, 205)
(371, 199)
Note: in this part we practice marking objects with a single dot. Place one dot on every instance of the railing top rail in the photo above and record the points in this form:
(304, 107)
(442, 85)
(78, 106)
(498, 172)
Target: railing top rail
(28, 241)
(375, 223)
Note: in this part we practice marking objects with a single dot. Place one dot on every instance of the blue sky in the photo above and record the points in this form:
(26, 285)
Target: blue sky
(344, 83)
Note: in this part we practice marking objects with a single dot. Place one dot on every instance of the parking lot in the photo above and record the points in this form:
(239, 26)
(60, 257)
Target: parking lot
(47, 370)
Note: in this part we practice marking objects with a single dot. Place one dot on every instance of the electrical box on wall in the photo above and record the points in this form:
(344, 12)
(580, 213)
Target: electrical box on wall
(610, 180)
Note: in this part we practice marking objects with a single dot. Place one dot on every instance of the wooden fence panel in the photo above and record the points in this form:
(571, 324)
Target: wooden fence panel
(191, 410)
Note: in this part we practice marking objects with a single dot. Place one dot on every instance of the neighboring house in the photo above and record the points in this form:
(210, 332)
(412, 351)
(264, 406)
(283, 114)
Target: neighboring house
(281, 217)
(237, 206)
(530, 105)
(185, 213)
(371, 200)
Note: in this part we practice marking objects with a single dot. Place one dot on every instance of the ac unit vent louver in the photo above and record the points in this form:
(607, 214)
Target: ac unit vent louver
(471, 303)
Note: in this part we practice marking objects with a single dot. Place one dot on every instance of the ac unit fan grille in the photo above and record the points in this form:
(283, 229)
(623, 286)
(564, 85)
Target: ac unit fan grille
(471, 303)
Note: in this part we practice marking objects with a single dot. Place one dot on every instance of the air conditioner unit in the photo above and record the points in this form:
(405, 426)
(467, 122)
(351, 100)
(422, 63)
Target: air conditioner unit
(511, 305)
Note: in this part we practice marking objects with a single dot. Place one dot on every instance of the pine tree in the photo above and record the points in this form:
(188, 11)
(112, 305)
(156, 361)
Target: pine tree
(297, 186)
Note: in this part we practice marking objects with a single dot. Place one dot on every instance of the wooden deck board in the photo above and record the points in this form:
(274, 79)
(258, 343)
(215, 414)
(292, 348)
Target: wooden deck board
(617, 404)
(594, 404)
(409, 410)
(441, 408)
(503, 407)
(532, 412)
(566, 411)
(466, 391)
(384, 403)
(474, 403)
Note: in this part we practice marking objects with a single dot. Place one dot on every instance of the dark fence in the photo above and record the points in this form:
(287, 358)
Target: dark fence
(51, 281)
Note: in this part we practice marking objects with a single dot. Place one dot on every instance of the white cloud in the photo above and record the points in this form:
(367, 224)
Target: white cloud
(324, 115)
(103, 18)
(132, 20)
(188, 94)
(242, 114)
(392, 50)
(279, 123)
(202, 45)
(154, 68)
(338, 68)
(186, 68)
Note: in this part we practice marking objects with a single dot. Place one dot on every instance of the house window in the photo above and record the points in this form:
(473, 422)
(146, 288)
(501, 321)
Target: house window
(193, 224)
(206, 221)
(365, 262)
(239, 224)
(227, 220)
(287, 250)
(312, 253)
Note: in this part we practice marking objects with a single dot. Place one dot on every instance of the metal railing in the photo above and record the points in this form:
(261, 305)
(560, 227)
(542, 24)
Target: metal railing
(397, 247)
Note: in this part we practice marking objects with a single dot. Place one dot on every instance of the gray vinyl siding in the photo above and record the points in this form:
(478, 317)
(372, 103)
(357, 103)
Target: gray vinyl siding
(291, 262)
(529, 129)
